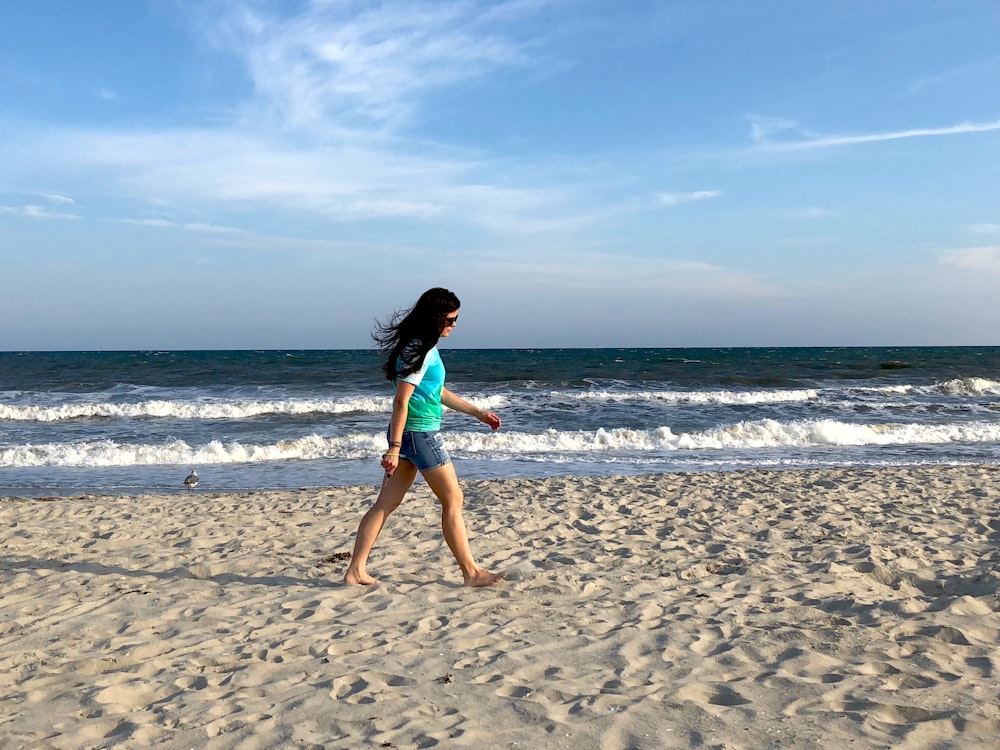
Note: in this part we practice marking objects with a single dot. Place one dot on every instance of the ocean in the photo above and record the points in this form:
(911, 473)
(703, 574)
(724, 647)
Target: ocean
(134, 422)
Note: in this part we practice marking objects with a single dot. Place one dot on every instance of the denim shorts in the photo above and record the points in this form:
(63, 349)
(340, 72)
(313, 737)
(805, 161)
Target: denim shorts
(425, 450)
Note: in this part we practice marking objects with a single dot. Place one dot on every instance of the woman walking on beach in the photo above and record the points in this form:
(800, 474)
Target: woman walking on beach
(409, 343)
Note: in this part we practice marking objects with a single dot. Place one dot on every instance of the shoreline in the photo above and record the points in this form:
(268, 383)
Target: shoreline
(747, 608)
(467, 475)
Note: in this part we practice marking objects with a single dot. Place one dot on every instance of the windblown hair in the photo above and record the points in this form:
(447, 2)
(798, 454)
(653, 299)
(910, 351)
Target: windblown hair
(410, 334)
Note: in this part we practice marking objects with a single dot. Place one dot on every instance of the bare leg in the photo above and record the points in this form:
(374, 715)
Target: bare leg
(444, 483)
(389, 498)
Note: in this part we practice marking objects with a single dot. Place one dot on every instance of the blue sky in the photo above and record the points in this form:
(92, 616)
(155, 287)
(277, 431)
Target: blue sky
(252, 174)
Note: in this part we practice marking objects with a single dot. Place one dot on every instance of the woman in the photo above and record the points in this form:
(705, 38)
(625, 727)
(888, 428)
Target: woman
(409, 342)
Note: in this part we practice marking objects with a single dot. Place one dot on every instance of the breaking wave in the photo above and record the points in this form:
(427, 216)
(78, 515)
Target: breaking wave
(700, 397)
(758, 435)
(217, 410)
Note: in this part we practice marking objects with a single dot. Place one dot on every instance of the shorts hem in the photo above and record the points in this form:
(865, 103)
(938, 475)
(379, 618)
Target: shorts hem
(435, 466)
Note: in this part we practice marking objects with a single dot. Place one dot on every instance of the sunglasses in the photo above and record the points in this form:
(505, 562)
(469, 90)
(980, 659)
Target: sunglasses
(451, 321)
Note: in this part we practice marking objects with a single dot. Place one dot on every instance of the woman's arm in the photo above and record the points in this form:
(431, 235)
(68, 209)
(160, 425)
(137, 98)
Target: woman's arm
(400, 408)
(459, 404)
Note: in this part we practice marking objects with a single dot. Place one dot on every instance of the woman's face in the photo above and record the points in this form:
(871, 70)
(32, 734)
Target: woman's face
(448, 323)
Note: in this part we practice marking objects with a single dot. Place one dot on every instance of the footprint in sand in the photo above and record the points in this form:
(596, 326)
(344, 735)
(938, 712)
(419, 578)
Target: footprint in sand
(710, 642)
(712, 695)
(351, 688)
(126, 696)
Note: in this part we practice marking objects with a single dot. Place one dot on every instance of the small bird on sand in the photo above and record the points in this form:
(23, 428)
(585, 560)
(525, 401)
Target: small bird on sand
(192, 480)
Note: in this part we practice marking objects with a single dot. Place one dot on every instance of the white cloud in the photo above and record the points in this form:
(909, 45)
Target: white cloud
(673, 199)
(973, 258)
(348, 63)
(813, 212)
(678, 278)
(354, 178)
(59, 199)
(192, 227)
(36, 212)
(955, 76)
(983, 228)
(331, 82)
(386, 208)
(762, 129)
(809, 142)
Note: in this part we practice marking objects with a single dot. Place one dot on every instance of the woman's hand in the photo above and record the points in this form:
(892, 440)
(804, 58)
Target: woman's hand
(453, 401)
(390, 461)
(488, 417)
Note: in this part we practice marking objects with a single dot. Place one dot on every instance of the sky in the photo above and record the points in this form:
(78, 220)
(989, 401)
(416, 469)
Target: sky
(279, 174)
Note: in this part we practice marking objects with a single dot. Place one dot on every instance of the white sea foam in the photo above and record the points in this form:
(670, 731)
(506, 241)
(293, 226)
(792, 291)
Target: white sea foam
(625, 443)
(771, 434)
(221, 410)
(969, 387)
(191, 409)
(112, 453)
(898, 390)
(699, 397)
(760, 434)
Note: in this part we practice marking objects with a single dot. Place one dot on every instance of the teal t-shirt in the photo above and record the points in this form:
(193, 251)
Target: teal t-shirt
(424, 414)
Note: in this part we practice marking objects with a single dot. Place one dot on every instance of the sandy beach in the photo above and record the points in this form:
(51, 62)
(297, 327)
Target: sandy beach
(835, 608)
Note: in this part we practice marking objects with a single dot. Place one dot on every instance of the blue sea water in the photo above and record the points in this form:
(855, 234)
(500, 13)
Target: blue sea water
(82, 422)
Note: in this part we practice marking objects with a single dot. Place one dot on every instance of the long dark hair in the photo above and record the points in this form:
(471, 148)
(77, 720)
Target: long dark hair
(410, 334)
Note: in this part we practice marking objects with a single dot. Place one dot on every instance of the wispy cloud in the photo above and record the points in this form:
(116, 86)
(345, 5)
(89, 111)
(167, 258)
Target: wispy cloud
(763, 129)
(955, 76)
(674, 199)
(192, 227)
(983, 228)
(349, 180)
(973, 258)
(677, 277)
(339, 81)
(345, 64)
(812, 213)
(58, 199)
(763, 137)
(36, 212)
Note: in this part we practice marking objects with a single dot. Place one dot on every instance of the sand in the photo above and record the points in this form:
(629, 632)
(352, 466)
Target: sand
(834, 608)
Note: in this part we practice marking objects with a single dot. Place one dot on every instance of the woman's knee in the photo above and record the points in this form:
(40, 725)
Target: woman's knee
(389, 499)
(444, 484)
(452, 500)
(388, 505)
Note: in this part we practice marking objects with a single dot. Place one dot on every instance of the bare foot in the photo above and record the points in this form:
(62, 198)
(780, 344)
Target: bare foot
(359, 579)
(483, 578)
